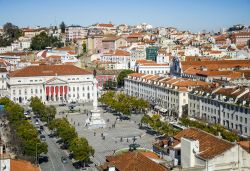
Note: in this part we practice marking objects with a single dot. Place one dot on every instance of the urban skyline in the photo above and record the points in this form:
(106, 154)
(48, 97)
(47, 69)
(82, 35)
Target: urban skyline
(111, 85)
(185, 15)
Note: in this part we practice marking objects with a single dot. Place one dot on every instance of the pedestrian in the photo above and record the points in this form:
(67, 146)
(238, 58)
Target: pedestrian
(78, 124)
(74, 122)
(94, 133)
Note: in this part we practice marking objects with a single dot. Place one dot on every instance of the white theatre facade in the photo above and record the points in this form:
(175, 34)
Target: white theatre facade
(51, 83)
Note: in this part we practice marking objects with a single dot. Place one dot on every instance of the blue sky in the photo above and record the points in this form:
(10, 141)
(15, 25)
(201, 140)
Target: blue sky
(194, 15)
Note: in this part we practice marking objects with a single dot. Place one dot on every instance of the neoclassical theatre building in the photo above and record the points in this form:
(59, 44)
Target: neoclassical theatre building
(51, 83)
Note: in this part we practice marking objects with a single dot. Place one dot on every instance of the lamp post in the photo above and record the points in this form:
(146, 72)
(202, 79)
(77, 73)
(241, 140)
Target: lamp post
(36, 153)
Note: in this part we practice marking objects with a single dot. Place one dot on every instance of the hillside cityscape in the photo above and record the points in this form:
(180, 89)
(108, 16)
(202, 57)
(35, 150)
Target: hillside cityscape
(124, 97)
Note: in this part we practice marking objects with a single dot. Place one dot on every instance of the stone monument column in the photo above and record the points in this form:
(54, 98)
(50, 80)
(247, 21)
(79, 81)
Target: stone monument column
(95, 94)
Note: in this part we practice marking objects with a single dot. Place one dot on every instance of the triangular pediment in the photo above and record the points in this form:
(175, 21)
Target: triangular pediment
(55, 80)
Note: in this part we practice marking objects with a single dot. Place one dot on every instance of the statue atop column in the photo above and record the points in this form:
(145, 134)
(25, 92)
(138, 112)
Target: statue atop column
(95, 121)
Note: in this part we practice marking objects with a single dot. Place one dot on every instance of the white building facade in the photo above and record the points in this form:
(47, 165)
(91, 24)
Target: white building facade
(75, 32)
(119, 58)
(170, 94)
(227, 106)
(51, 83)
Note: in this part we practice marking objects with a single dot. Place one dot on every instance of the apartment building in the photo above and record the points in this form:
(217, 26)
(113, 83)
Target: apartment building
(197, 150)
(75, 32)
(170, 95)
(224, 105)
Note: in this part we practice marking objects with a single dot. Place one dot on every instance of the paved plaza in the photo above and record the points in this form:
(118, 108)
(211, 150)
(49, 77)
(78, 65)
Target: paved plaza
(116, 138)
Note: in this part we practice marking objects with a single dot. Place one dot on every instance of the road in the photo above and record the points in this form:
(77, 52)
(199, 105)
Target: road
(54, 154)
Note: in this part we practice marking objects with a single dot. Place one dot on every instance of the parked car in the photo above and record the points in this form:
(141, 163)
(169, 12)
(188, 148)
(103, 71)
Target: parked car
(41, 127)
(42, 137)
(62, 104)
(64, 159)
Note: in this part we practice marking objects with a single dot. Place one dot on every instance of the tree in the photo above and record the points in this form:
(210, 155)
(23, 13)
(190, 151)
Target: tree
(84, 47)
(45, 113)
(62, 27)
(50, 112)
(11, 33)
(63, 129)
(122, 75)
(43, 40)
(35, 147)
(81, 149)
(24, 135)
(6, 101)
(14, 113)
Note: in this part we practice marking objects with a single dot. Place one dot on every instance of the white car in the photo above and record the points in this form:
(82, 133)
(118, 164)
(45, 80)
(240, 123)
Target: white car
(37, 123)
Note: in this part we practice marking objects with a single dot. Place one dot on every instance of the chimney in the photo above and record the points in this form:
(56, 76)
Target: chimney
(189, 149)
(219, 135)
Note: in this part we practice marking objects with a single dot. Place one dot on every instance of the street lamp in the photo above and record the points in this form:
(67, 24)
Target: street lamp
(36, 153)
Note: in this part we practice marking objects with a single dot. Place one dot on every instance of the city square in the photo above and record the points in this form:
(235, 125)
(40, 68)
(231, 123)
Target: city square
(116, 138)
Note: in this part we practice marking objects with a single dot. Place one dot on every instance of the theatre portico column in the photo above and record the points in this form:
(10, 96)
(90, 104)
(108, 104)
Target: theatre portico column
(63, 97)
(54, 94)
(49, 93)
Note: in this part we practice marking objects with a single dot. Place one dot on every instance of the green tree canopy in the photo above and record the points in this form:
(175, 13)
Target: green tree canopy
(11, 33)
(81, 149)
(63, 129)
(43, 40)
(123, 103)
(122, 75)
(22, 129)
(62, 27)
(44, 112)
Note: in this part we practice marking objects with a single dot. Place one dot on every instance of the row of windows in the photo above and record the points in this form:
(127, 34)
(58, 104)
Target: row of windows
(77, 88)
(228, 124)
(235, 126)
(153, 72)
(26, 91)
(225, 106)
(236, 117)
(31, 81)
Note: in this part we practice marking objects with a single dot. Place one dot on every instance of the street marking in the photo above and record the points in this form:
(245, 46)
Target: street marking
(51, 161)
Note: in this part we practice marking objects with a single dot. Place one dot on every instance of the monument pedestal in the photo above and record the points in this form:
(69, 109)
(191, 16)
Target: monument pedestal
(95, 121)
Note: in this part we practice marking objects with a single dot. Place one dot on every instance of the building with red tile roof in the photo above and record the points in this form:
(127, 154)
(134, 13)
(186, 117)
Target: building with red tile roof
(131, 161)
(70, 83)
(199, 150)
(18, 165)
(168, 93)
(225, 105)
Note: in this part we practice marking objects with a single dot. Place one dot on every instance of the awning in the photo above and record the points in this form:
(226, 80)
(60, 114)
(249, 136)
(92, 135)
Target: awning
(163, 110)
(157, 107)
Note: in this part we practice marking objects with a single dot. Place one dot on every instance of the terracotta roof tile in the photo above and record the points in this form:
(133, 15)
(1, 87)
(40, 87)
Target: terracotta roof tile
(210, 145)
(105, 25)
(48, 70)
(245, 145)
(132, 161)
(117, 53)
(18, 165)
